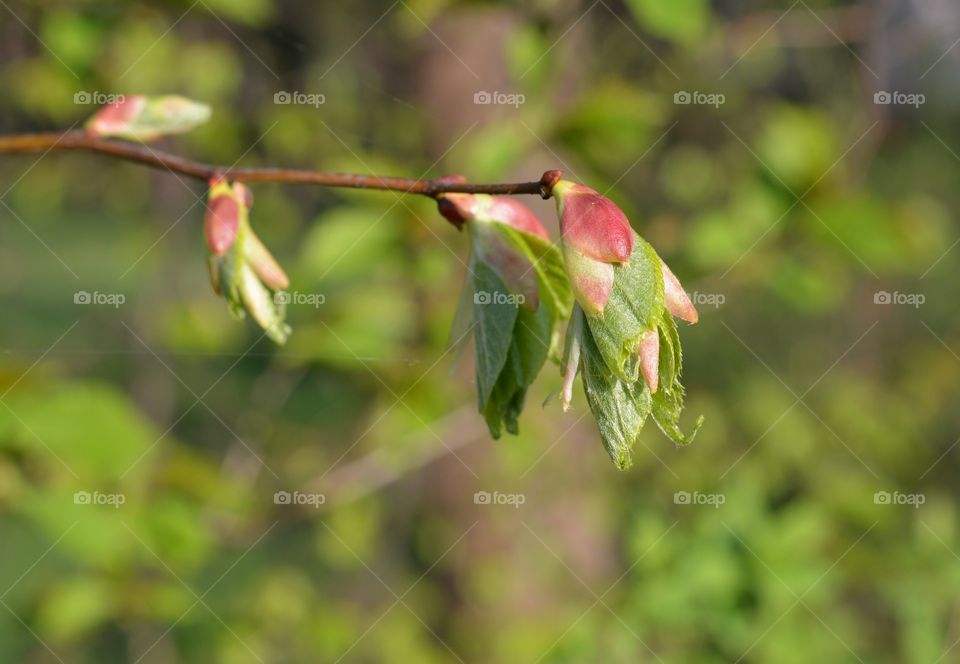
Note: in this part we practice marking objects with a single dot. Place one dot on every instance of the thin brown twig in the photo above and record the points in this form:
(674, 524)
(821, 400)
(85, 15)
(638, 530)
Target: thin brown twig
(81, 140)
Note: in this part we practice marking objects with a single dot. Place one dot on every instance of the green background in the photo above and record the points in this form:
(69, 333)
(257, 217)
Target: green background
(822, 522)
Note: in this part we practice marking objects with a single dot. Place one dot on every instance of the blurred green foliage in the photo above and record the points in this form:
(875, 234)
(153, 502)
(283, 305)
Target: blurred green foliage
(788, 210)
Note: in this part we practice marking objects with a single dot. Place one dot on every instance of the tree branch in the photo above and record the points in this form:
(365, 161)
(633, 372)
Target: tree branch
(140, 153)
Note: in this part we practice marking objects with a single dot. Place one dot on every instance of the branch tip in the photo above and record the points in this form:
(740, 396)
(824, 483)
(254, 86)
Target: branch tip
(547, 180)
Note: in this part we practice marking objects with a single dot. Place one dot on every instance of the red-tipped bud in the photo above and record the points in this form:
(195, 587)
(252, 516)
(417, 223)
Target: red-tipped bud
(511, 212)
(458, 208)
(590, 280)
(241, 267)
(592, 224)
(675, 298)
(493, 248)
(116, 117)
(648, 351)
(222, 217)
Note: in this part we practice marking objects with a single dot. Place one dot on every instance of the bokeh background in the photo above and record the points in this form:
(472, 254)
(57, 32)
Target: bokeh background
(805, 195)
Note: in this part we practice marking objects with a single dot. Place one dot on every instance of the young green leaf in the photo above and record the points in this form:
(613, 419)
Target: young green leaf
(668, 400)
(547, 262)
(264, 308)
(619, 407)
(528, 352)
(554, 289)
(495, 315)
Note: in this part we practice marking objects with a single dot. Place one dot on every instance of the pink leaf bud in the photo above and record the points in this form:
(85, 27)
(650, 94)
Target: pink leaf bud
(222, 217)
(675, 298)
(590, 280)
(490, 245)
(116, 117)
(263, 262)
(458, 208)
(140, 118)
(648, 350)
(592, 224)
(511, 212)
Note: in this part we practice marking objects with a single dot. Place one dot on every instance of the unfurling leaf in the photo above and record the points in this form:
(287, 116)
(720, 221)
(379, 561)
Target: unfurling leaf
(620, 407)
(622, 337)
(668, 402)
(140, 118)
(514, 299)
(242, 270)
